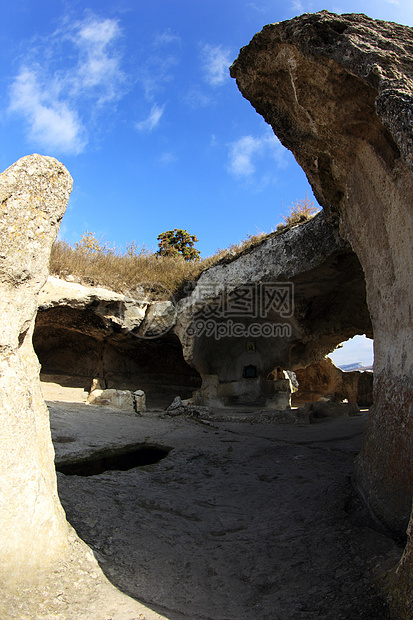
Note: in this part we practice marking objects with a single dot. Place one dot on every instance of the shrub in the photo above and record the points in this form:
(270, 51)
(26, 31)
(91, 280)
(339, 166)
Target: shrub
(178, 242)
(121, 271)
(300, 211)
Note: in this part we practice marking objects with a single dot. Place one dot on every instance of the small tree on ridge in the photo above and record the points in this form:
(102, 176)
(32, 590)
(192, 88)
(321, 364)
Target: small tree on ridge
(178, 242)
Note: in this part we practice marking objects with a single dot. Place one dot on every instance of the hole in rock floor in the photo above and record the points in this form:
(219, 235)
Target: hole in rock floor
(121, 460)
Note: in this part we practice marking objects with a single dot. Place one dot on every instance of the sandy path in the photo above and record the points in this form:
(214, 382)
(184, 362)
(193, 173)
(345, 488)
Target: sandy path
(239, 521)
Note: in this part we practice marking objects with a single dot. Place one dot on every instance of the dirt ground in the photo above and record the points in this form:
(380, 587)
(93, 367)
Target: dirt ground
(239, 521)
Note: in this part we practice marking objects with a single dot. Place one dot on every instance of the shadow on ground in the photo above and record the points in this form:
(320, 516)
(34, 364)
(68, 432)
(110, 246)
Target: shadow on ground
(238, 521)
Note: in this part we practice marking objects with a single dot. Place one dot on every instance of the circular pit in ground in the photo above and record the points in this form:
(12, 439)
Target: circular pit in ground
(121, 459)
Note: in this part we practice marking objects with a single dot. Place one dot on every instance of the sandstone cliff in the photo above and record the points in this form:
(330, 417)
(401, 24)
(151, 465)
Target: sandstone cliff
(314, 289)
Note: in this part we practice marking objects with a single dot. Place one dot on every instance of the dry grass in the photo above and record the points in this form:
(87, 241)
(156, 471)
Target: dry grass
(93, 262)
(300, 211)
(122, 272)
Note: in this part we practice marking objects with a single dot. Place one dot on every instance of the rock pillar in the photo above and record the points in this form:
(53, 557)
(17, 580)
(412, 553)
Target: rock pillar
(33, 197)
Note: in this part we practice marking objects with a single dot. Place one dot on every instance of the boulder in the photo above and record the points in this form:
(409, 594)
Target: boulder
(329, 409)
(97, 384)
(338, 92)
(186, 408)
(119, 399)
(125, 400)
(139, 401)
(34, 533)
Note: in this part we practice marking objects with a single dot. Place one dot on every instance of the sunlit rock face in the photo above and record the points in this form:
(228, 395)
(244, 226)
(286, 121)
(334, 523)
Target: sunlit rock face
(33, 197)
(285, 303)
(324, 379)
(338, 93)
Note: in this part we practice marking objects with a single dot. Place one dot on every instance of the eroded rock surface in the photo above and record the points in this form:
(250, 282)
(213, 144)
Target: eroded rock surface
(338, 93)
(324, 379)
(33, 196)
(45, 570)
(306, 283)
(91, 332)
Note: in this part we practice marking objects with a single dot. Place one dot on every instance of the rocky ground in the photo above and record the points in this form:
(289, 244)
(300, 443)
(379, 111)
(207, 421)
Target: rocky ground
(239, 520)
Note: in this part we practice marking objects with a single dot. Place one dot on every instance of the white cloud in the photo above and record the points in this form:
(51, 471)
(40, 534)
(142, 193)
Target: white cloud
(216, 62)
(156, 72)
(298, 6)
(167, 158)
(166, 38)
(248, 150)
(52, 97)
(152, 120)
(51, 122)
(196, 99)
(98, 72)
(241, 154)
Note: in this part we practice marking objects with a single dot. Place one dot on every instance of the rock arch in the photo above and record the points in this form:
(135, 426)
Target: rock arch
(236, 315)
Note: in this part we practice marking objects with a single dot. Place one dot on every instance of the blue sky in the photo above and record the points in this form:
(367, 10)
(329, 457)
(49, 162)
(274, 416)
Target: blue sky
(136, 100)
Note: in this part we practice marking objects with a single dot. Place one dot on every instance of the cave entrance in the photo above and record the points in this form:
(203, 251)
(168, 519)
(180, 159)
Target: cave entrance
(74, 347)
(123, 459)
(250, 372)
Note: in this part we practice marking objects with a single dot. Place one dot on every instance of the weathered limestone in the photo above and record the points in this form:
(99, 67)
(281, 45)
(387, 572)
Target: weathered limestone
(287, 302)
(338, 92)
(33, 196)
(91, 332)
(45, 570)
(125, 400)
(329, 409)
(324, 379)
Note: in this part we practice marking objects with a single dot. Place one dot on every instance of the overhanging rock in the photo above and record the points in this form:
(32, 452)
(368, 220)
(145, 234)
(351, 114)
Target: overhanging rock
(285, 303)
(338, 92)
(84, 332)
